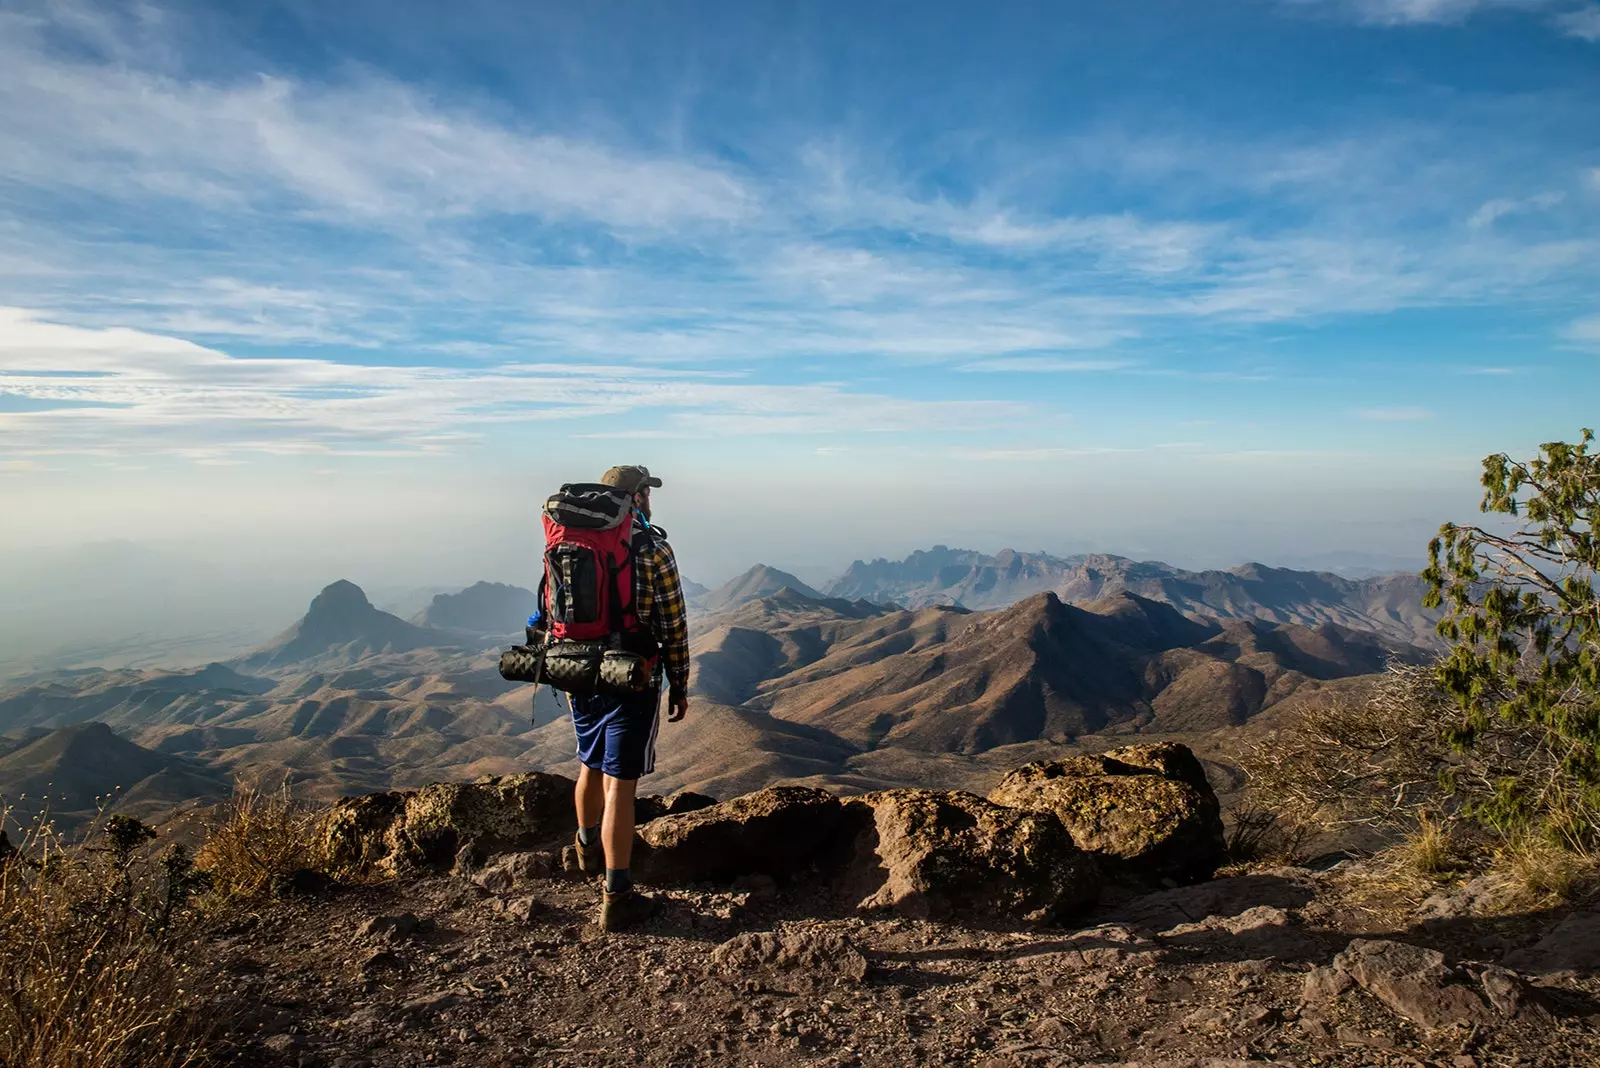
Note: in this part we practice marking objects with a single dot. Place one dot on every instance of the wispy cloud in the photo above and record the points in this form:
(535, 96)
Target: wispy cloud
(1500, 207)
(147, 391)
(1044, 365)
(1585, 331)
(371, 153)
(1403, 12)
(1582, 23)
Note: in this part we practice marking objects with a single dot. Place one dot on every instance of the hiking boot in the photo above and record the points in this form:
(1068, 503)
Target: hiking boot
(587, 860)
(626, 909)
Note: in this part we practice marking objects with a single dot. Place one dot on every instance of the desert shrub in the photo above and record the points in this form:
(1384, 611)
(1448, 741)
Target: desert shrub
(257, 839)
(1496, 748)
(1375, 760)
(92, 973)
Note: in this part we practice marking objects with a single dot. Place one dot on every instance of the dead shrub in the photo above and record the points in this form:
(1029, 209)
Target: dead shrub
(1385, 762)
(1255, 834)
(257, 839)
(91, 938)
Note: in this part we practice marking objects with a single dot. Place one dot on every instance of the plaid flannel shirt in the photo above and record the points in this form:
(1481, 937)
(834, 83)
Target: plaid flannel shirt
(658, 600)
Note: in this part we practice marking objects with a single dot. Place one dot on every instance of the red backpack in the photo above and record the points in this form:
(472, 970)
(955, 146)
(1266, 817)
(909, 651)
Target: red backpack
(587, 590)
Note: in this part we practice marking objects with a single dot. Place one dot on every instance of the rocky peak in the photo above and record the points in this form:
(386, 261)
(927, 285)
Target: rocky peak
(341, 600)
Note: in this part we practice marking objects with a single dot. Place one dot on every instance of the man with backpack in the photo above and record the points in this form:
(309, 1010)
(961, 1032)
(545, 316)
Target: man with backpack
(617, 732)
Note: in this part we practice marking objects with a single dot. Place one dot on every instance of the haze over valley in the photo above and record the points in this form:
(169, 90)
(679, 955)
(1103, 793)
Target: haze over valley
(944, 668)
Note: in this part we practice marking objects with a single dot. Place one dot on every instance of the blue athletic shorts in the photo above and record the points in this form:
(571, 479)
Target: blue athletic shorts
(617, 735)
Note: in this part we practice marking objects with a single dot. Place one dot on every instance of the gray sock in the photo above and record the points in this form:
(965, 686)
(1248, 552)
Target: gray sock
(618, 880)
(588, 836)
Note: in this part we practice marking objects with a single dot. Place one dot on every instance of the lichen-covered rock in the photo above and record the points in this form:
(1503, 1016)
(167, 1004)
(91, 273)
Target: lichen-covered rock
(1145, 809)
(430, 826)
(507, 812)
(777, 831)
(355, 836)
(935, 853)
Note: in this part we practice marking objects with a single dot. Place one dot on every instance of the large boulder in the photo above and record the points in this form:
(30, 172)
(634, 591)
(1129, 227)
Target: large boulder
(934, 853)
(779, 831)
(1143, 809)
(428, 827)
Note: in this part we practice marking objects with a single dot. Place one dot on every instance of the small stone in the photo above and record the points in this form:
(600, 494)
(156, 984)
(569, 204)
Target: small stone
(523, 909)
(398, 928)
(279, 1044)
(381, 960)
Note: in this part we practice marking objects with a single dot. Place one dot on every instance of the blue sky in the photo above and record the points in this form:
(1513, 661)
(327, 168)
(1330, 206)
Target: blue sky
(1256, 278)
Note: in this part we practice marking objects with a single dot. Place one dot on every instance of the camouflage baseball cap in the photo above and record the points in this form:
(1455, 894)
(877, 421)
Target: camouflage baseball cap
(631, 477)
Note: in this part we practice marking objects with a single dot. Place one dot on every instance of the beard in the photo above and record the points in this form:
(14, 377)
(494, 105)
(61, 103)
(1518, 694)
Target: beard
(643, 506)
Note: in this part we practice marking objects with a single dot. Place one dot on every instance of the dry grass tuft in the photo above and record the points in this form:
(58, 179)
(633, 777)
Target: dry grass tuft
(1430, 849)
(257, 839)
(90, 935)
(1547, 873)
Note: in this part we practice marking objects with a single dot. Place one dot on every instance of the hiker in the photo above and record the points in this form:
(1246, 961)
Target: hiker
(617, 734)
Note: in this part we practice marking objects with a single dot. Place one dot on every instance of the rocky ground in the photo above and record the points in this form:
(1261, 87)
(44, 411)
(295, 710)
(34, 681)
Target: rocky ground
(503, 966)
(893, 928)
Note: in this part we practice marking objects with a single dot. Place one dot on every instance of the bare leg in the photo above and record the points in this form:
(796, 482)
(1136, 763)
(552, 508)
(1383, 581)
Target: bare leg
(590, 796)
(617, 831)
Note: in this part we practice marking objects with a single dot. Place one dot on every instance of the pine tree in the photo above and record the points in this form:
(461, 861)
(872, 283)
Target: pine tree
(1524, 624)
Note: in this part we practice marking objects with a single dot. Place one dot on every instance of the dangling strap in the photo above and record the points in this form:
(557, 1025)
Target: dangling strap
(538, 676)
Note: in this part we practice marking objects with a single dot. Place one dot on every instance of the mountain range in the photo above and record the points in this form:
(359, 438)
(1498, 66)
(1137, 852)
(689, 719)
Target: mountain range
(789, 684)
(1389, 604)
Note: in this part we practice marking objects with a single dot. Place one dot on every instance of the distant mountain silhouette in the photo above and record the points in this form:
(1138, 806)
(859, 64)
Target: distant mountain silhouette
(1389, 604)
(760, 581)
(77, 769)
(342, 626)
(485, 608)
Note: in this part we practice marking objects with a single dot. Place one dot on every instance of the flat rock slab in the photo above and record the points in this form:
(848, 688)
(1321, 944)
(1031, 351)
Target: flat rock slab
(1573, 946)
(1255, 934)
(816, 954)
(1284, 888)
(1413, 982)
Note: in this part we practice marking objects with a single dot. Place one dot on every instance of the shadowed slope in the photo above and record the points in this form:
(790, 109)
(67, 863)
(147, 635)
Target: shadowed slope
(74, 769)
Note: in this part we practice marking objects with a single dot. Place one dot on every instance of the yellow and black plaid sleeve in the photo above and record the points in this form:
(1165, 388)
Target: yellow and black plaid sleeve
(660, 593)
